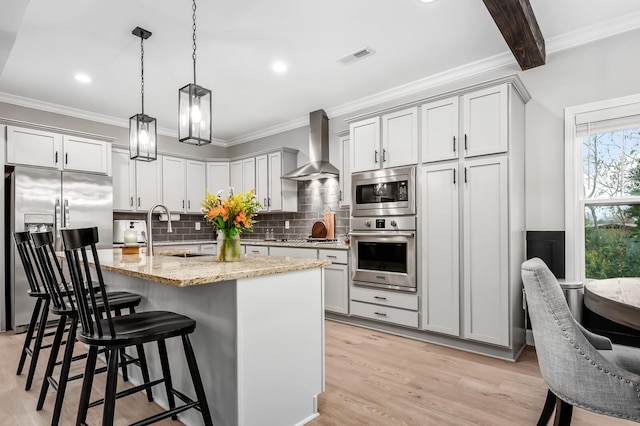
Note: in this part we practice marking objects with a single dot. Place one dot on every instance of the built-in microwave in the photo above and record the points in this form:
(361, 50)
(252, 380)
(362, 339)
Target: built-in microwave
(389, 192)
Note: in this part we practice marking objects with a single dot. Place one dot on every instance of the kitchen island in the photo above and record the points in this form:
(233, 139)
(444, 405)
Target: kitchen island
(259, 339)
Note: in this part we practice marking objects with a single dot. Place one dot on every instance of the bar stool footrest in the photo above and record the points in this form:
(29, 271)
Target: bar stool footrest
(127, 392)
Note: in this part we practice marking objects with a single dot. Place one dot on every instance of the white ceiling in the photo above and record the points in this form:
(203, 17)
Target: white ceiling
(44, 43)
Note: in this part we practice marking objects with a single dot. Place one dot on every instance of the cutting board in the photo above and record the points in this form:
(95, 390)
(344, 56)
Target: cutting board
(319, 230)
(330, 223)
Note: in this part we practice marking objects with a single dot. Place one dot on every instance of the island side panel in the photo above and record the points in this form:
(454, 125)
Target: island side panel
(280, 348)
(213, 307)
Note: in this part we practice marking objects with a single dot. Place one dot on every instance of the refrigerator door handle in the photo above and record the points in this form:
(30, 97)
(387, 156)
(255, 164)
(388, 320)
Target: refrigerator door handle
(57, 225)
(67, 221)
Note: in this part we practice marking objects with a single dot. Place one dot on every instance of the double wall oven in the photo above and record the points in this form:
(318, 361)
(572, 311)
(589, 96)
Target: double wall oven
(383, 236)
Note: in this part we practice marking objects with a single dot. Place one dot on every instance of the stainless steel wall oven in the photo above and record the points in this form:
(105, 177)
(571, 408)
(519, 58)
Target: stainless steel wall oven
(383, 252)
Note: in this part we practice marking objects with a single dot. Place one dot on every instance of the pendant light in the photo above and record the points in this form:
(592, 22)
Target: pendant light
(194, 106)
(142, 128)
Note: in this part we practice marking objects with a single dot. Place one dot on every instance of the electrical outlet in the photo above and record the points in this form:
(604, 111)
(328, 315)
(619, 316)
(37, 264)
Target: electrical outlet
(286, 224)
(197, 226)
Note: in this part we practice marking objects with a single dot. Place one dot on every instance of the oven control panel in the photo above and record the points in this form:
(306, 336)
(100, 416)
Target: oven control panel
(393, 223)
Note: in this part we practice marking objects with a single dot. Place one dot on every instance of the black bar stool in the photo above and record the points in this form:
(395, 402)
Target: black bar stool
(115, 333)
(38, 317)
(64, 300)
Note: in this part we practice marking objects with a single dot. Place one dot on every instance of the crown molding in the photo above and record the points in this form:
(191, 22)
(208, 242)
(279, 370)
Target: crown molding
(594, 32)
(270, 131)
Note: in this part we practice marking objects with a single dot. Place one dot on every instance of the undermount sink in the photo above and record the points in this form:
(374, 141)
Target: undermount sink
(187, 255)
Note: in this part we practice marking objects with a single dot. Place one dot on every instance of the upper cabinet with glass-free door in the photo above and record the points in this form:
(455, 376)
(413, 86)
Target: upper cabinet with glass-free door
(384, 142)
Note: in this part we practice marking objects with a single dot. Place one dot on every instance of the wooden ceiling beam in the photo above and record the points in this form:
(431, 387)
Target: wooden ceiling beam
(517, 23)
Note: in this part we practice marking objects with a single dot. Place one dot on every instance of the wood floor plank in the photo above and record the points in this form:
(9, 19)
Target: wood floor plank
(372, 379)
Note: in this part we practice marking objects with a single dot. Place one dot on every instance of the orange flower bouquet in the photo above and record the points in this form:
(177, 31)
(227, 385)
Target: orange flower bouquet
(230, 217)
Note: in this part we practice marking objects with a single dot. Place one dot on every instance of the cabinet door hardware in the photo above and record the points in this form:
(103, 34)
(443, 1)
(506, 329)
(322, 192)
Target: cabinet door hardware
(454, 144)
(465, 175)
(130, 201)
(56, 157)
(382, 314)
(189, 205)
(183, 204)
(269, 201)
(379, 297)
(330, 256)
(66, 158)
(454, 176)
(138, 201)
(465, 142)
(384, 155)
(375, 156)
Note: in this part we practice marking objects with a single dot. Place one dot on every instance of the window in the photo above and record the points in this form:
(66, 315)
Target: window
(603, 189)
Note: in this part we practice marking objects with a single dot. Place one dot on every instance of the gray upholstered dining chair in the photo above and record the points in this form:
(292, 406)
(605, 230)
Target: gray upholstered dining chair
(580, 368)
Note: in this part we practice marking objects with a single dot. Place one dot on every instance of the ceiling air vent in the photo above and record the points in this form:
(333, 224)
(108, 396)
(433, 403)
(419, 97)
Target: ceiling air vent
(357, 55)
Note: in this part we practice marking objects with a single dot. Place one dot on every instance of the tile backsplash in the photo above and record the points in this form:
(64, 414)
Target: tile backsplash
(314, 199)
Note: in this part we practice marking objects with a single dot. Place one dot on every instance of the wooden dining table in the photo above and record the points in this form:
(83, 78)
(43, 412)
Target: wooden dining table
(616, 299)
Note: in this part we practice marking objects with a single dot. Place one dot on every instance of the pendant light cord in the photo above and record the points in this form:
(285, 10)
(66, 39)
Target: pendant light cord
(194, 41)
(142, 71)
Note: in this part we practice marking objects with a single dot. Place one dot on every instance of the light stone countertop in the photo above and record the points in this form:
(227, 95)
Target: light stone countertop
(189, 271)
(247, 241)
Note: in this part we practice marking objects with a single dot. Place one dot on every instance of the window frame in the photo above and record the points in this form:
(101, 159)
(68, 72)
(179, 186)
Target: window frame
(574, 199)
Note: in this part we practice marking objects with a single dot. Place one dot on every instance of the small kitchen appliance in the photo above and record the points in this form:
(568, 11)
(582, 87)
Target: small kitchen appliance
(123, 227)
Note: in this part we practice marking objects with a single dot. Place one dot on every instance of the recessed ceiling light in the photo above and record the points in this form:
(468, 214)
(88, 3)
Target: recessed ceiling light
(426, 1)
(83, 78)
(279, 66)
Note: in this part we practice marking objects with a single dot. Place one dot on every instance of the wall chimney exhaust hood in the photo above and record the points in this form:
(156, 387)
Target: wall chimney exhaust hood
(318, 166)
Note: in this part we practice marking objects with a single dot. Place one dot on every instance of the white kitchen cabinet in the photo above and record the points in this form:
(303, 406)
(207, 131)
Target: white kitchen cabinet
(440, 126)
(174, 183)
(303, 253)
(383, 313)
(124, 176)
(345, 172)
(148, 184)
(209, 249)
(218, 177)
(236, 176)
(440, 250)
(486, 245)
(400, 138)
(137, 185)
(248, 174)
(485, 121)
(283, 193)
(86, 155)
(365, 145)
(256, 250)
(48, 149)
(472, 231)
(336, 280)
(262, 181)
(196, 185)
(243, 175)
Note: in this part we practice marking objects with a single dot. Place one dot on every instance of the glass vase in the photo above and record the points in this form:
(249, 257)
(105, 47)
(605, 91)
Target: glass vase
(228, 248)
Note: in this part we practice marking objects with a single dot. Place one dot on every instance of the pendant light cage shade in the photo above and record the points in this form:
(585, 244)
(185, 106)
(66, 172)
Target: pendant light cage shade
(194, 115)
(143, 138)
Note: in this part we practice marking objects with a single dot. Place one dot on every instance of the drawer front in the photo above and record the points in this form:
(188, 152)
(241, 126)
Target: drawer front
(208, 249)
(385, 297)
(385, 314)
(257, 250)
(303, 253)
(335, 256)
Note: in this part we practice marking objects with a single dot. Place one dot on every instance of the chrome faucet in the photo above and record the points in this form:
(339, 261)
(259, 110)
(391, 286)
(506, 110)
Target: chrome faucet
(149, 227)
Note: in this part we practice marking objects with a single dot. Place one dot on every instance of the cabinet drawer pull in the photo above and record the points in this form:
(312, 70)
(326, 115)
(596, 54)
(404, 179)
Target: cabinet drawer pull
(381, 277)
(379, 297)
(382, 314)
(255, 251)
(330, 256)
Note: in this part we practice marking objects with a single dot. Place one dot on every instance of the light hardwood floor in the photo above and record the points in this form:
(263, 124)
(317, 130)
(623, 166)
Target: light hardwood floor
(372, 378)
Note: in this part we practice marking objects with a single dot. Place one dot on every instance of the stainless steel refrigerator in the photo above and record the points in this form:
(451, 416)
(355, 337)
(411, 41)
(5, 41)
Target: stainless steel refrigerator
(43, 199)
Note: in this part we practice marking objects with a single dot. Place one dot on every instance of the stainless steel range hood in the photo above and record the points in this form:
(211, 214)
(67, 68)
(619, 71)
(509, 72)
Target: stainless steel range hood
(318, 166)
